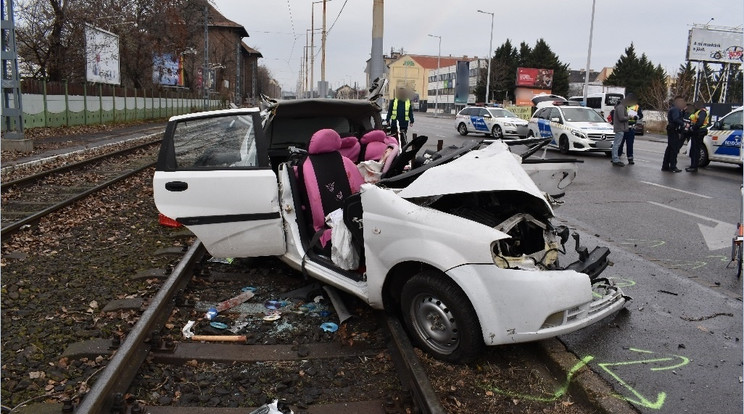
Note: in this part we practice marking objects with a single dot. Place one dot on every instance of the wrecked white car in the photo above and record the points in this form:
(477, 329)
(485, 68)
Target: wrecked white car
(460, 245)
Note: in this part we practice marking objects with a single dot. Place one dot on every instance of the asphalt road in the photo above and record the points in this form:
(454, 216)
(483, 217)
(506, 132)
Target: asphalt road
(678, 347)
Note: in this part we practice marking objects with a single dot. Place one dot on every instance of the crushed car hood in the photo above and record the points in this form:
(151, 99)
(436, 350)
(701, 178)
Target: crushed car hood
(493, 168)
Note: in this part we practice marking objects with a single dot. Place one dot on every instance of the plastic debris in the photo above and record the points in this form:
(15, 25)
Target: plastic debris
(249, 289)
(324, 313)
(329, 327)
(218, 325)
(211, 313)
(189, 334)
(222, 260)
(232, 302)
(273, 316)
(275, 304)
(275, 407)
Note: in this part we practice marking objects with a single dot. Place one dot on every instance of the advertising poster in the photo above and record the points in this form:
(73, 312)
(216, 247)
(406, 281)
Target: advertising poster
(167, 69)
(535, 78)
(715, 46)
(101, 56)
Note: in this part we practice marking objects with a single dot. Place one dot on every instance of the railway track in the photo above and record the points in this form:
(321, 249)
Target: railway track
(26, 200)
(313, 375)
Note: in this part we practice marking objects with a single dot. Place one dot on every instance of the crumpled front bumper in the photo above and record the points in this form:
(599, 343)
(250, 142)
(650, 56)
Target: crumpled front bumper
(528, 305)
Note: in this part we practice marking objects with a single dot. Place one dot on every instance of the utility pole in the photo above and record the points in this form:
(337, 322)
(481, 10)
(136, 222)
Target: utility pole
(589, 54)
(490, 50)
(323, 90)
(307, 46)
(377, 61)
(205, 68)
(12, 106)
(436, 84)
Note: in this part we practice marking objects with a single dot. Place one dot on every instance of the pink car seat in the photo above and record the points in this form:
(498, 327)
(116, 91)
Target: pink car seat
(350, 148)
(375, 143)
(328, 177)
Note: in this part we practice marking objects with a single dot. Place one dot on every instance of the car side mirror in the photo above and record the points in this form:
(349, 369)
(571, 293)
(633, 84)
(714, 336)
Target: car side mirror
(556, 119)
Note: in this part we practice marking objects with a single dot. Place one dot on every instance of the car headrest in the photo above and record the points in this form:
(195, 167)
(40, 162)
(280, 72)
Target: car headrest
(376, 135)
(348, 142)
(324, 141)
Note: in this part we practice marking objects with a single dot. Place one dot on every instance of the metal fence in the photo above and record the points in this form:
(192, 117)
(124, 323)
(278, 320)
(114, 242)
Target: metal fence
(54, 104)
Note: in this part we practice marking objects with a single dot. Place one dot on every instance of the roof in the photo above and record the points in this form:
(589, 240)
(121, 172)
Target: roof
(250, 50)
(219, 112)
(430, 62)
(217, 19)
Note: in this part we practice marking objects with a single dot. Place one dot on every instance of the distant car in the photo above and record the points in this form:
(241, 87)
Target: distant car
(640, 127)
(572, 128)
(723, 142)
(497, 122)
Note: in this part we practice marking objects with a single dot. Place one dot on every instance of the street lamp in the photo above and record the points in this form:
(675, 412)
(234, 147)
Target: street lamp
(436, 84)
(490, 50)
(589, 53)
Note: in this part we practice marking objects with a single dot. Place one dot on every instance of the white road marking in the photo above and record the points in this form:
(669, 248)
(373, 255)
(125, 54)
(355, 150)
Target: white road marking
(676, 189)
(716, 237)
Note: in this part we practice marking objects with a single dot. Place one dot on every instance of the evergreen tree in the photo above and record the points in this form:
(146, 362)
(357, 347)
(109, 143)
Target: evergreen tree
(638, 75)
(684, 82)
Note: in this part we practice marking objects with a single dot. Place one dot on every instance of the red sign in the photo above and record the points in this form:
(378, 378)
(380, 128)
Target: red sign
(535, 78)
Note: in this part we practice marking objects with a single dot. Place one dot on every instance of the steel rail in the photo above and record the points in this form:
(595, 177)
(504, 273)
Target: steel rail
(69, 167)
(15, 226)
(123, 366)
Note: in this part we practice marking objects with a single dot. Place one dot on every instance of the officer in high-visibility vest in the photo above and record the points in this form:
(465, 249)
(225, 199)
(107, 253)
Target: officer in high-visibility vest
(634, 115)
(699, 122)
(400, 112)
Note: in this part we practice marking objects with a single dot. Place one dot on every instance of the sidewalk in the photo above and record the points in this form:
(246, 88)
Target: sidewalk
(46, 147)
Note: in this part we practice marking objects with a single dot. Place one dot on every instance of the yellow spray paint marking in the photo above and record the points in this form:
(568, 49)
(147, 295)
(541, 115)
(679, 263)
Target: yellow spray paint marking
(644, 243)
(560, 392)
(654, 403)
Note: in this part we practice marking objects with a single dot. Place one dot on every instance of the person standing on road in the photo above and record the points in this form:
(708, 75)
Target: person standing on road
(634, 115)
(400, 113)
(620, 125)
(675, 130)
(698, 130)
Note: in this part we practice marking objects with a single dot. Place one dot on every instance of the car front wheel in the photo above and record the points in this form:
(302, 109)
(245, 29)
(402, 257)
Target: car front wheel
(530, 134)
(462, 129)
(440, 318)
(563, 145)
(496, 132)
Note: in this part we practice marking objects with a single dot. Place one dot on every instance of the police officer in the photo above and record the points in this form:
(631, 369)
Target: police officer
(634, 115)
(699, 121)
(675, 129)
(400, 113)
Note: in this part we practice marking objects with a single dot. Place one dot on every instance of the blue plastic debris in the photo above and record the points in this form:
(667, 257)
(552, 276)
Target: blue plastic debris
(218, 325)
(211, 313)
(275, 304)
(329, 327)
(248, 289)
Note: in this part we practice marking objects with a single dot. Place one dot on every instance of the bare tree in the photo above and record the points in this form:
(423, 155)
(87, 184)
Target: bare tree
(657, 95)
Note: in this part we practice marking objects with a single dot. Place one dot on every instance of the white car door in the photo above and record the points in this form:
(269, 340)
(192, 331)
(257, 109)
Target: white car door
(213, 176)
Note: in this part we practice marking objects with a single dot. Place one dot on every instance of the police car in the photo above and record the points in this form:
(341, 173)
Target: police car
(723, 142)
(572, 128)
(496, 122)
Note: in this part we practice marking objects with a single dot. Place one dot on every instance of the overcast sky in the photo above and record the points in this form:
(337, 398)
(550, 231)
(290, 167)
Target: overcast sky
(656, 27)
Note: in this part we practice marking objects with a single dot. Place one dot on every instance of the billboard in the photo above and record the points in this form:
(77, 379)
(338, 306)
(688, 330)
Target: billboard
(462, 82)
(101, 56)
(535, 78)
(167, 69)
(715, 45)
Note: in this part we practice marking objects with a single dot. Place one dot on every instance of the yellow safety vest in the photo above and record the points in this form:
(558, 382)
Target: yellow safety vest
(394, 116)
(694, 118)
(633, 108)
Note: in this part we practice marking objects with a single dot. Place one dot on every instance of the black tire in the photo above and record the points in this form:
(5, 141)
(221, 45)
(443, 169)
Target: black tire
(704, 159)
(496, 132)
(563, 145)
(608, 154)
(462, 129)
(530, 134)
(440, 318)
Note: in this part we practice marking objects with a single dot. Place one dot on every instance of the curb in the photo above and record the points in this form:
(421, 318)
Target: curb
(586, 385)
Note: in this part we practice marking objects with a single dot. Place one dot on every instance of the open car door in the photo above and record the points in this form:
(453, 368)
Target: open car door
(213, 176)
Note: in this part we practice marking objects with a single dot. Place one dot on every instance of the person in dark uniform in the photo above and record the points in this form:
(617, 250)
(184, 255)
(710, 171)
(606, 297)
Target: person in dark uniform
(400, 113)
(699, 122)
(675, 129)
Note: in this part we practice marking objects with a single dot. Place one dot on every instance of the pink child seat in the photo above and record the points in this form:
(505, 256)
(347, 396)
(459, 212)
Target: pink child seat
(375, 143)
(329, 178)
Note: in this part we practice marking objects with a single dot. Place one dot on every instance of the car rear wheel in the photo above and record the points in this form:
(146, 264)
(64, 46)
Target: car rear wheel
(563, 144)
(704, 159)
(462, 129)
(496, 132)
(440, 318)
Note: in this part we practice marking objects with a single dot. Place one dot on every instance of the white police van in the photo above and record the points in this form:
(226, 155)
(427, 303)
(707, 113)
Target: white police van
(572, 128)
(496, 122)
(723, 142)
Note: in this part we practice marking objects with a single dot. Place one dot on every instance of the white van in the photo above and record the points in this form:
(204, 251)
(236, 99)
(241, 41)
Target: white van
(603, 102)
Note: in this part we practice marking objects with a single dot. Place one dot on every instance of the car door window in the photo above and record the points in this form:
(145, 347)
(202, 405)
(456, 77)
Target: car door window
(483, 112)
(732, 121)
(465, 112)
(554, 113)
(216, 142)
